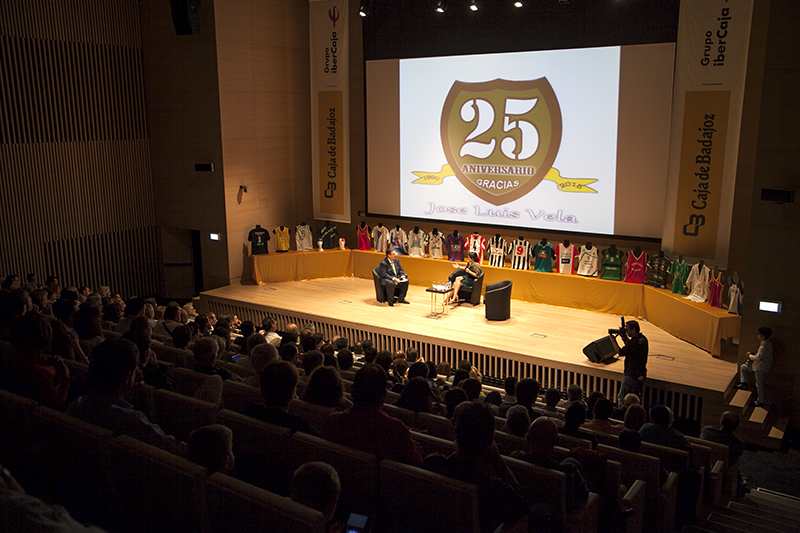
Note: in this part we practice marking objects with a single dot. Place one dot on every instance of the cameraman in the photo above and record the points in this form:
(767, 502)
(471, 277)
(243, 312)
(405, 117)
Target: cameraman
(635, 353)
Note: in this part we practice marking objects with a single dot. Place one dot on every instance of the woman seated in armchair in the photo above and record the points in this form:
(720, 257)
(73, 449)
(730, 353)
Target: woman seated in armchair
(463, 277)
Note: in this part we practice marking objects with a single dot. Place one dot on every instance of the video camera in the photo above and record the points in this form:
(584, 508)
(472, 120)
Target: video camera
(620, 330)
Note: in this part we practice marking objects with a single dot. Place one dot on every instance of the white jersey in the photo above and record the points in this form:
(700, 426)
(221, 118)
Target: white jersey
(416, 243)
(697, 283)
(380, 237)
(398, 239)
(477, 244)
(498, 249)
(587, 261)
(567, 258)
(521, 252)
(435, 244)
(303, 238)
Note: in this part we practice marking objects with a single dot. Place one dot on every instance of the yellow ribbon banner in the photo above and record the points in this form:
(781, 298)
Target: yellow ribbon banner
(563, 184)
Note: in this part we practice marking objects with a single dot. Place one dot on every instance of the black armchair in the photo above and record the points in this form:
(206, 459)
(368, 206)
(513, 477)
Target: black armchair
(498, 300)
(380, 295)
(472, 294)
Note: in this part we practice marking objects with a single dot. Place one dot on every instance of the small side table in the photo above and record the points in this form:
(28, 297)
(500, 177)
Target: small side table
(438, 308)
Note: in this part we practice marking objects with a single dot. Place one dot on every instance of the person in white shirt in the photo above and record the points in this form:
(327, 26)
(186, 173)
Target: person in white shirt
(759, 363)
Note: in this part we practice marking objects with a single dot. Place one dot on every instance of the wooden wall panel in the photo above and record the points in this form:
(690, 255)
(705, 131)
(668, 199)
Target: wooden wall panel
(263, 63)
(74, 153)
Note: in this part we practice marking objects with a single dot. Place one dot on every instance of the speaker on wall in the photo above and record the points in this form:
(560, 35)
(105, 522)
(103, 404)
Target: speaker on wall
(186, 16)
(601, 350)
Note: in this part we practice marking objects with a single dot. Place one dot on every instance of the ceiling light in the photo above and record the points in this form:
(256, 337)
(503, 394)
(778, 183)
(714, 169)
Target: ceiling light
(518, 3)
(364, 9)
(474, 5)
(441, 6)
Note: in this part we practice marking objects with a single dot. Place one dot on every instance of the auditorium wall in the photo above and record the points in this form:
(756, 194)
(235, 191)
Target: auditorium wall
(77, 198)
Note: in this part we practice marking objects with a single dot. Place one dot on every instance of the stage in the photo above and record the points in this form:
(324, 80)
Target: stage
(540, 340)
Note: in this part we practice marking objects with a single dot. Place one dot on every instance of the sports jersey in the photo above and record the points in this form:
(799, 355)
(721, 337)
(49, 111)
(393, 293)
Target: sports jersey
(697, 283)
(455, 247)
(398, 239)
(281, 239)
(611, 264)
(587, 261)
(435, 244)
(380, 237)
(363, 237)
(735, 296)
(303, 238)
(544, 252)
(416, 243)
(636, 268)
(520, 254)
(498, 249)
(477, 244)
(567, 257)
(679, 271)
(258, 238)
(327, 234)
(715, 291)
(657, 271)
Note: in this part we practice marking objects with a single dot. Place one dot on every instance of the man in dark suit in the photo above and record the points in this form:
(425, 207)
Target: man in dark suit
(393, 278)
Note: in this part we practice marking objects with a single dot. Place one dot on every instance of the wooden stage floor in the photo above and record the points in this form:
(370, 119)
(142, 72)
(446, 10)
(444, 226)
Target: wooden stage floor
(541, 334)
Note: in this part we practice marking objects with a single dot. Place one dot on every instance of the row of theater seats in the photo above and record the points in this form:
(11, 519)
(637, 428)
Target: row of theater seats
(179, 414)
(128, 485)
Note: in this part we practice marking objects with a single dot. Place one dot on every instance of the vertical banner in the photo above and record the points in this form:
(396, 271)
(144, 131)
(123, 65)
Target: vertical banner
(330, 109)
(710, 69)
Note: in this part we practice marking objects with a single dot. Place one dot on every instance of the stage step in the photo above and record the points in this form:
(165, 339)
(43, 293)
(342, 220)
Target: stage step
(758, 521)
(762, 508)
(774, 499)
(759, 426)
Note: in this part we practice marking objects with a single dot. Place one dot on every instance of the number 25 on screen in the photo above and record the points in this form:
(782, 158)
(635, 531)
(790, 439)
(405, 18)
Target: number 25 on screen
(481, 145)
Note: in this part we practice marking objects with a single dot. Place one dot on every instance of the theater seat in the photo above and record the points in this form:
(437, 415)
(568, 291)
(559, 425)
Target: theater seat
(498, 300)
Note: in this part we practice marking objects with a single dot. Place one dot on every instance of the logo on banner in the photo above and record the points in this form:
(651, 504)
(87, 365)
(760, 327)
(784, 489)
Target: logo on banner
(500, 139)
(333, 14)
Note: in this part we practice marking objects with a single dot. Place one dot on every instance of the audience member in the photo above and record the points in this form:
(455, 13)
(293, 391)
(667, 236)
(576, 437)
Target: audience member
(551, 399)
(418, 397)
(212, 447)
(600, 423)
(261, 356)
(574, 394)
(269, 327)
(517, 421)
(206, 352)
(316, 485)
(510, 388)
(627, 400)
(325, 388)
(635, 417)
(32, 372)
(527, 391)
(133, 309)
(660, 431)
(728, 423)
(630, 440)
(478, 461)
(248, 330)
(112, 374)
(591, 400)
(366, 427)
(452, 399)
(278, 386)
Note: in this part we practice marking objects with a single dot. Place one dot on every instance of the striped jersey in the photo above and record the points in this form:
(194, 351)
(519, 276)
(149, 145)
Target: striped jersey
(477, 244)
(498, 249)
(520, 254)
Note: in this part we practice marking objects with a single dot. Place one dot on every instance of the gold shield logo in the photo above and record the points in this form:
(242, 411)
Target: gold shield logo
(501, 137)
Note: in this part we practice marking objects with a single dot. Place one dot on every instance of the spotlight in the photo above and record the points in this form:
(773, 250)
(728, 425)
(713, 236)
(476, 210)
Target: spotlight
(364, 9)
(518, 3)
(441, 6)
(474, 5)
